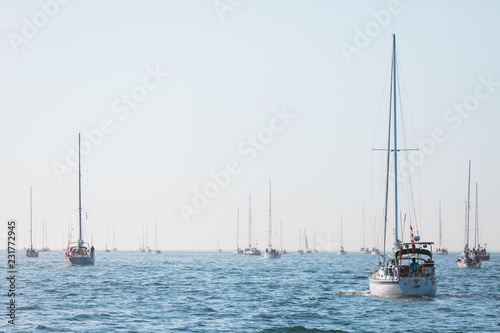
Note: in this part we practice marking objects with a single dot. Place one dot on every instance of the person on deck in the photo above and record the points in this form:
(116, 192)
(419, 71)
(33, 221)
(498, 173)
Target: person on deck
(413, 266)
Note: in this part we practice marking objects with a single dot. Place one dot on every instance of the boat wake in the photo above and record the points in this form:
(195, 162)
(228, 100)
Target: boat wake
(353, 293)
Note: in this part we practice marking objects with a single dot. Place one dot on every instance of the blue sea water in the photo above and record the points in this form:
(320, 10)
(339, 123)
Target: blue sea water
(222, 292)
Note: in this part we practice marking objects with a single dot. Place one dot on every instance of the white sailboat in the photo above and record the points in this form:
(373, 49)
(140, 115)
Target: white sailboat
(238, 250)
(481, 251)
(375, 250)
(79, 253)
(315, 250)
(301, 247)
(282, 251)
(342, 251)
(114, 246)
(142, 246)
(411, 271)
(107, 232)
(364, 249)
(308, 250)
(157, 249)
(469, 258)
(31, 252)
(271, 253)
(45, 238)
(251, 250)
(441, 250)
(148, 249)
(218, 245)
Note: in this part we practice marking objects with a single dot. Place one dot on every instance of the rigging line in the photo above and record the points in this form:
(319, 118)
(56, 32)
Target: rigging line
(381, 101)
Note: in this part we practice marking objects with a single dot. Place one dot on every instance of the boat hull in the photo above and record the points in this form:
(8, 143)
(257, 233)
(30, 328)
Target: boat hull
(80, 261)
(414, 286)
(462, 263)
(276, 255)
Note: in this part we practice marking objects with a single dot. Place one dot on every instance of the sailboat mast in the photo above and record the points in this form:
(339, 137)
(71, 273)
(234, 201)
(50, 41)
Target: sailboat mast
(281, 234)
(364, 244)
(269, 234)
(249, 220)
(395, 144)
(79, 193)
(31, 218)
(341, 230)
(440, 225)
(237, 228)
(476, 240)
(468, 207)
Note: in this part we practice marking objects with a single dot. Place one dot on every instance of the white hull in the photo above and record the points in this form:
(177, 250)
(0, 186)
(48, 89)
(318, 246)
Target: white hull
(462, 263)
(409, 286)
(275, 255)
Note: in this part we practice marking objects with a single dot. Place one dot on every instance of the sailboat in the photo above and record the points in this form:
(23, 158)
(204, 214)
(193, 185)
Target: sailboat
(440, 250)
(157, 250)
(342, 251)
(31, 252)
(107, 232)
(45, 239)
(238, 250)
(411, 271)
(114, 247)
(374, 251)
(308, 250)
(148, 249)
(271, 253)
(282, 251)
(469, 258)
(481, 251)
(79, 253)
(142, 247)
(218, 245)
(315, 250)
(364, 249)
(250, 250)
(301, 248)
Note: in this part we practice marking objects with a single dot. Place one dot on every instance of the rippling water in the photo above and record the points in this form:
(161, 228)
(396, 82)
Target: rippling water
(203, 292)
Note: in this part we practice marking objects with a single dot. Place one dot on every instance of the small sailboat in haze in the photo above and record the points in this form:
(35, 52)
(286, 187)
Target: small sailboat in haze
(271, 253)
(107, 232)
(364, 249)
(31, 252)
(148, 249)
(307, 250)
(218, 244)
(441, 250)
(251, 250)
(238, 250)
(342, 251)
(114, 246)
(301, 247)
(470, 257)
(79, 253)
(45, 246)
(157, 249)
(481, 251)
(411, 270)
(282, 251)
(314, 250)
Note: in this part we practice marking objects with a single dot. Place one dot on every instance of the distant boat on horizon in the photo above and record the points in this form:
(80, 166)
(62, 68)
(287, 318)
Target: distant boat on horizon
(342, 251)
(238, 250)
(271, 252)
(251, 250)
(440, 250)
(45, 246)
(31, 252)
(80, 253)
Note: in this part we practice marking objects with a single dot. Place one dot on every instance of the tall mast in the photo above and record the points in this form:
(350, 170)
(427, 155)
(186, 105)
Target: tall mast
(31, 218)
(476, 232)
(281, 234)
(114, 238)
(363, 228)
(395, 143)
(237, 228)
(269, 234)
(340, 230)
(249, 220)
(79, 194)
(440, 226)
(468, 207)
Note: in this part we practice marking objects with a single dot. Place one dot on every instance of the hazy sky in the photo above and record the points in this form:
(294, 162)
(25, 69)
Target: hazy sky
(175, 92)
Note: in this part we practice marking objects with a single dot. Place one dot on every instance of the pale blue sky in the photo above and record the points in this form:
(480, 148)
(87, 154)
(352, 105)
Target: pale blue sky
(225, 79)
